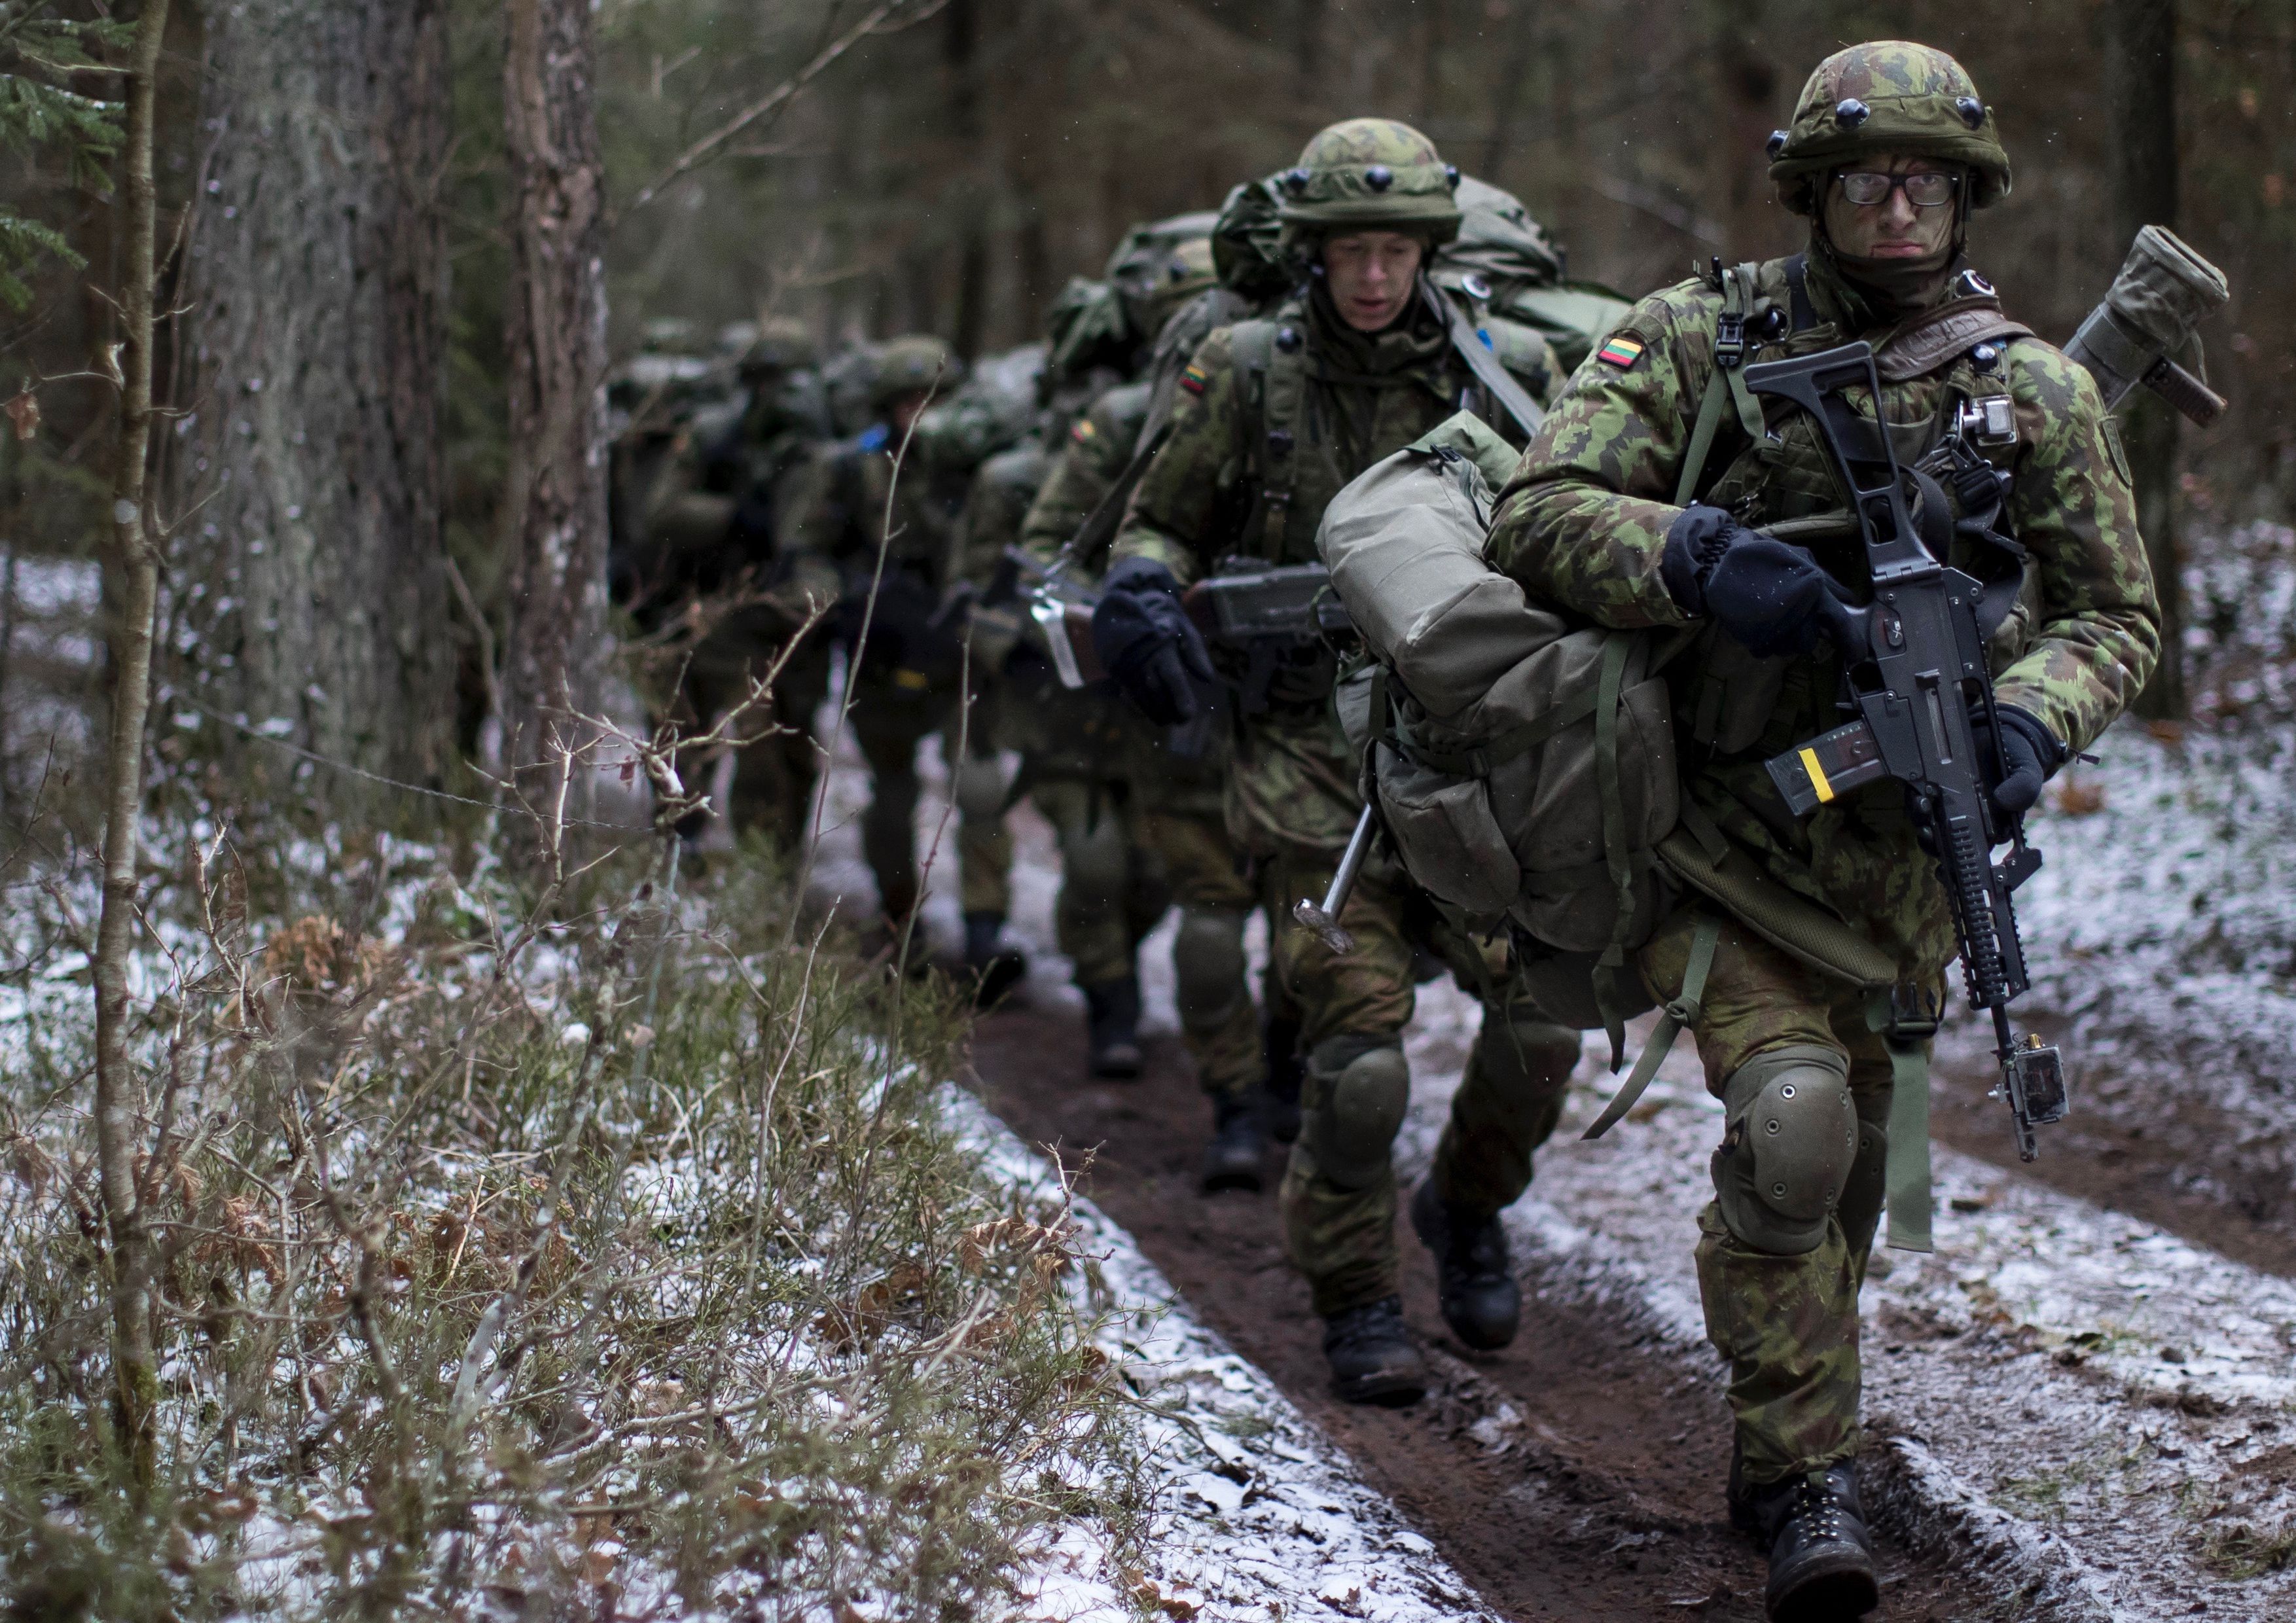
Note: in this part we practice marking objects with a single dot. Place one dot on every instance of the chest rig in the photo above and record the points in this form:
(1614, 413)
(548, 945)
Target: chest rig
(1283, 432)
(1951, 420)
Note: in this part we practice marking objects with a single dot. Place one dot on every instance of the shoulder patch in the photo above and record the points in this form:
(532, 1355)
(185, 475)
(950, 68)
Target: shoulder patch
(1192, 379)
(1620, 351)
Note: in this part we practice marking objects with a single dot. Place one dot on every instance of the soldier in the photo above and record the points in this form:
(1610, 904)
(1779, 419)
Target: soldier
(1274, 417)
(1626, 510)
(1083, 756)
(1172, 799)
(848, 515)
(705, 547)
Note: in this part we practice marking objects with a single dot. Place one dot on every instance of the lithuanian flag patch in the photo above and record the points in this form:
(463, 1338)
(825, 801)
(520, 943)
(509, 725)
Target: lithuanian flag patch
(1621, 352)
(1192, 380)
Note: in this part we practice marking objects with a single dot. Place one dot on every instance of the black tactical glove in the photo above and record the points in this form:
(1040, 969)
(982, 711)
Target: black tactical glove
(1147, 644)
(1694, 544)
(1770, 596)
(2033, 752)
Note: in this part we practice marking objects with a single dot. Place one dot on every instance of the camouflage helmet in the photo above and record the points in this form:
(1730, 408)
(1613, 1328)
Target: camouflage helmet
(912, 365)
(1888, 95)
(1158, 267)
(1369, 175)
(1186, 271)
(779, 344)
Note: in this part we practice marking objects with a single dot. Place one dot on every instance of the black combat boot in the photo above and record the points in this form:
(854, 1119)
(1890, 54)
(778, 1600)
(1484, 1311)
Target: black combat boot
(1373, 1357)
(1482, 1302)
(1113, 1028)
(997, 969)
(1236, 1156)
(1821, 1556)
(1279, 1041)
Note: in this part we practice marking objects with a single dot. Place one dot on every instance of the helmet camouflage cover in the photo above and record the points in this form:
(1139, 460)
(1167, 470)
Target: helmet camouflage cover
(1369, 175)
(1159, 266)
(912, 364)
(1888, 95)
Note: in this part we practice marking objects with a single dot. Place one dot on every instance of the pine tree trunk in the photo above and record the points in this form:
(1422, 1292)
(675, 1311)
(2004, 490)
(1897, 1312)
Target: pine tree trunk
(556, 335)
(2141, 91)
(317, 280)
(119, 1091)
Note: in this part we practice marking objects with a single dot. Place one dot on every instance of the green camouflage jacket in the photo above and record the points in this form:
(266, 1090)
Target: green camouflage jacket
(836, 509)
(1583, 523)
(1099, 445)
(1206, 498)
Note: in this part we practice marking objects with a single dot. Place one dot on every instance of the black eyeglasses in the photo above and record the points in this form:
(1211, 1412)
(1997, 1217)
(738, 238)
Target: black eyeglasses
(1927, 190)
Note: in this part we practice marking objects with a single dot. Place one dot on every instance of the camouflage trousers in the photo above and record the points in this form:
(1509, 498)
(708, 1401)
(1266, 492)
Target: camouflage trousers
(774, 779)
(1113, 885)
(1218, 1022)
(890, 723)
(1510, 1096)
(1787, 1325)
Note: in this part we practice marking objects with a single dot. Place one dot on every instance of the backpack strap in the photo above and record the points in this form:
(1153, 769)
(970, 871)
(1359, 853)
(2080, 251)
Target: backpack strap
(1273, 356)
(1680, 1013)
(1727, 385)
(1611, 967)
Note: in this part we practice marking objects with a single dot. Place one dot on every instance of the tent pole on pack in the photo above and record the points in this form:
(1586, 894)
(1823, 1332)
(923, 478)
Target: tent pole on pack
(1325, 920)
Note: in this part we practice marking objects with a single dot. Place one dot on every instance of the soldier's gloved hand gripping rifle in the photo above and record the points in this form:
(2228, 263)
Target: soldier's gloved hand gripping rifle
(1916, 672)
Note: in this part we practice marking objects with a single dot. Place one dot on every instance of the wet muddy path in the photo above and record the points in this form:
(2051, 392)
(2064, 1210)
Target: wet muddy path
(1576, 1474)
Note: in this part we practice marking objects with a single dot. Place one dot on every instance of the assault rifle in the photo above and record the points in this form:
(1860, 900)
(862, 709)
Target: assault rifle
(1914, 677)
(1261, 610)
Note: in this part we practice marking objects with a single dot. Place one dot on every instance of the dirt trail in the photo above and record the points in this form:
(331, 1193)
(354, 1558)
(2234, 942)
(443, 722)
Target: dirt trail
(1575, 1475)
(2203, 1175)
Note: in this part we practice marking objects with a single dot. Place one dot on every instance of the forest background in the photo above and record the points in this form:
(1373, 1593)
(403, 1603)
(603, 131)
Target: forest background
(375, 260)
(947, 170)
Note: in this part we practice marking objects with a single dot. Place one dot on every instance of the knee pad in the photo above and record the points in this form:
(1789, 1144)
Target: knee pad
(1790, 1144)
(1208, 964)
(1097, 864)
(1357, 1092)
(979, 790)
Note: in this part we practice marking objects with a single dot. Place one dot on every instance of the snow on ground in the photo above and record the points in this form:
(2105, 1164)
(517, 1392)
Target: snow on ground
(2081, 1406)
(1257, 1514)
(2093, 1418)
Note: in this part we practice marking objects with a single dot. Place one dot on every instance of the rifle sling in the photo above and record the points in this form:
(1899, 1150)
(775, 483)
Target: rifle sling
(1489, 371)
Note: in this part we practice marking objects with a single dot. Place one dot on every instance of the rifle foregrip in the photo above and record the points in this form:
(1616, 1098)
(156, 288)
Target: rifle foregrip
(1967, 872)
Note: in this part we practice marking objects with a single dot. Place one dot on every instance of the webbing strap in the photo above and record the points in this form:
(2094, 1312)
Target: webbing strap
(1282, 407)
(1701, 439)
(1611, 966)
(1477, 763)
(1489, 371)
(1727, 385)
(1678, 1015)
(1906, 1176)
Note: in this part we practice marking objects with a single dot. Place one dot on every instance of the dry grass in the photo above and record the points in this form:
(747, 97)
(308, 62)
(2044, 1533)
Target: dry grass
(611, 1258)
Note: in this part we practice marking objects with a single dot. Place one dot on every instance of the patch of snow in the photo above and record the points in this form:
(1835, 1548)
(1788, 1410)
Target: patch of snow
(1257, 1514)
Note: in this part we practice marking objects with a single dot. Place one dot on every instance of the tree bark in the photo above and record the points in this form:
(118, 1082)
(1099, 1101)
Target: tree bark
(556, 335)
(118, 1091)
(2141, 90)
(960, 55)
(318, 287)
